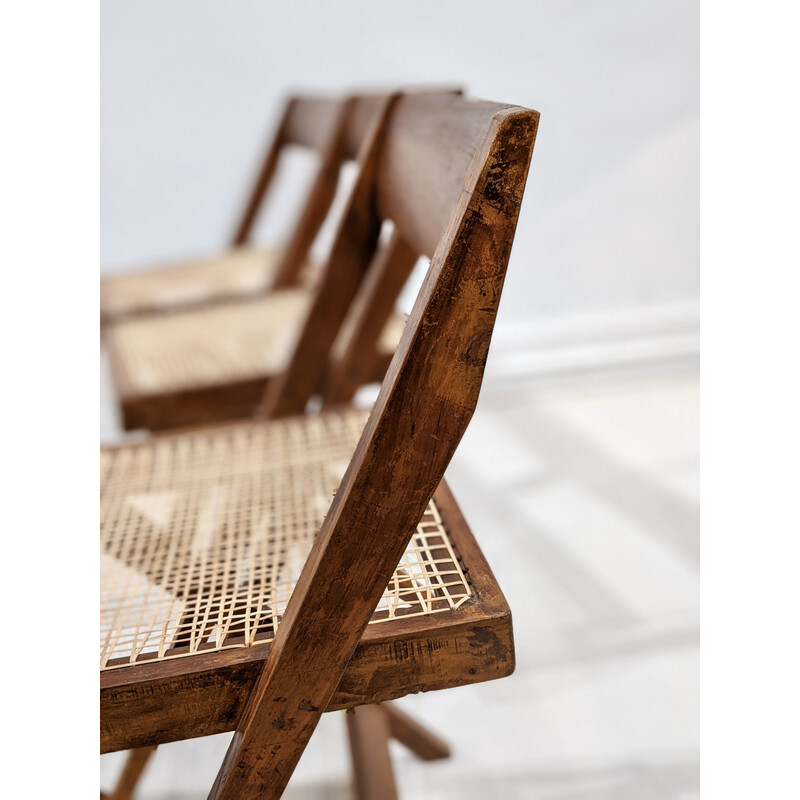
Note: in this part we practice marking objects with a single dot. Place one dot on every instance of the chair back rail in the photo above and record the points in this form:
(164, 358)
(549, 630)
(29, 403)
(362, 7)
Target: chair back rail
(353, 250)
(335, 128)
(323, 187)
(353, 357)
(415, 158)
(426, 401)
(310, 120)
(418, 178)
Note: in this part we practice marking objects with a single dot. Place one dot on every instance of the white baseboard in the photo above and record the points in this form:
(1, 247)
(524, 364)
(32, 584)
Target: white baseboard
(630, 338)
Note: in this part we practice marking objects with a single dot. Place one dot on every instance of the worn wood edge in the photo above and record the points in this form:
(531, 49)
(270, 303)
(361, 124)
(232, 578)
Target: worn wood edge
(141, 715)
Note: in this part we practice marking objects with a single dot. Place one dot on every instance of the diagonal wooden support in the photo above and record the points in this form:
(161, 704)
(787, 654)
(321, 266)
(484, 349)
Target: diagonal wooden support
(352, 357)
(422, 742)
(131, 772)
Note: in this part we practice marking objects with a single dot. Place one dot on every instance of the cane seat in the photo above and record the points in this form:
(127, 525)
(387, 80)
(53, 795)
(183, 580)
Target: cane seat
(203, 537)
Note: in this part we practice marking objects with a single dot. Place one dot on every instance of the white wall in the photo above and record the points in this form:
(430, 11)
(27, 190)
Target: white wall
(190, 91)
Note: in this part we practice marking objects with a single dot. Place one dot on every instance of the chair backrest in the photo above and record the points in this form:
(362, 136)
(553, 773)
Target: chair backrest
(335, 128)
(450, 173)
(420, 178)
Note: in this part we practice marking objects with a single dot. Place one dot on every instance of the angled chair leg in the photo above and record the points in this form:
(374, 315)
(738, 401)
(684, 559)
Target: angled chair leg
(422, 742)
(368, 732)
(131, 772)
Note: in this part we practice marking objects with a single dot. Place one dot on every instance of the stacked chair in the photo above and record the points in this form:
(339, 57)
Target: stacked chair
(198, 342)
(236, 594)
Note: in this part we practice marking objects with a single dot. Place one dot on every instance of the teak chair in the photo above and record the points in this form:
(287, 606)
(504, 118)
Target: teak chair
(313, 123)
(229, 602)
(224, 326)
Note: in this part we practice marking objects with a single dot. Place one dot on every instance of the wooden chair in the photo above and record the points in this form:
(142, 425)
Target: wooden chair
(308, 122)
(229, 601)
(212, 363)
(198, 343)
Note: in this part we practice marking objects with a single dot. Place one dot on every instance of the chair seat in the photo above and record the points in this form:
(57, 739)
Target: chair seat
(212, 363)
(203, 537)
(207, 346)
(239, 273)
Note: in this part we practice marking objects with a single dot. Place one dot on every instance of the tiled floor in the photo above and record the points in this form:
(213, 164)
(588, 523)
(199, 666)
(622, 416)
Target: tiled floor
(583, 493)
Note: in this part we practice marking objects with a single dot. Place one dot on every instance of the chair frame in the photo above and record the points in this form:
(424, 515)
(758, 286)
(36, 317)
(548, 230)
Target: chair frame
(324, 656)
(334, 128)
(331, 126)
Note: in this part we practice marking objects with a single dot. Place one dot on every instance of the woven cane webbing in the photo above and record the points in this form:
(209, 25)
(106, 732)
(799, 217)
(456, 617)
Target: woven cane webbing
(208, 346)
(213, 345)
(204, 535)
(239, 273)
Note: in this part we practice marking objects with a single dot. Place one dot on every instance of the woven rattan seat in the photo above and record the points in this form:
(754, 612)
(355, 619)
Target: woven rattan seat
(233, 347)
(242, 272)
(203, 536)
(204, 347)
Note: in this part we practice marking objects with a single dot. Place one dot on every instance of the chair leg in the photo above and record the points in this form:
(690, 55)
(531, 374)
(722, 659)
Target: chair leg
(131, 772)
(418, 739)
(369, 729)
(368, 732)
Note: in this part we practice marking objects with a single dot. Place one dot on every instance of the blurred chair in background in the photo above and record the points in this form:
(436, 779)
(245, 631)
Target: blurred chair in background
(199, 342)
(314, 123)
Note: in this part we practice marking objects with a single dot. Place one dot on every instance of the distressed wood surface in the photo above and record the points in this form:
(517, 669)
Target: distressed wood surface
(425, 403)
